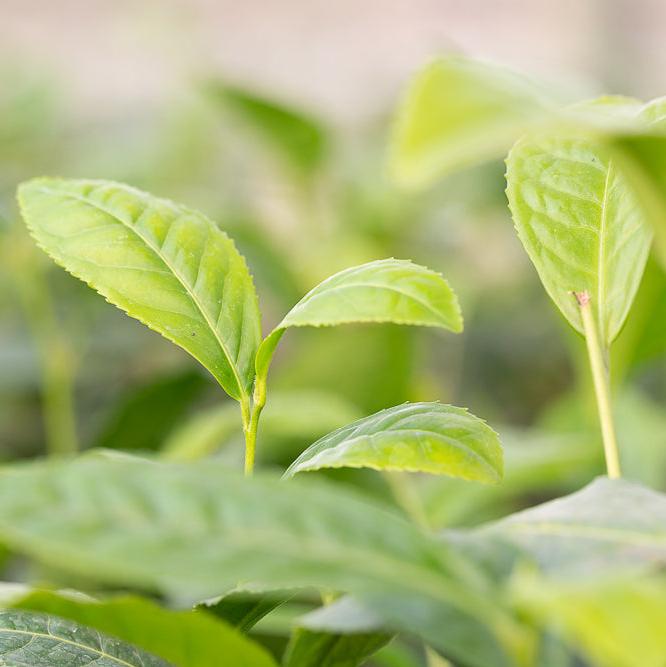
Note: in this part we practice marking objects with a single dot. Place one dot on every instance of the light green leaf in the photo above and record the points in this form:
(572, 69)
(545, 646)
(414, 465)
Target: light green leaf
(37, 640)
(616, 622)
(581, 224)
(185, 638)
(460, 112)
(341, 634)
(608, 525)
(195, 530)
(166, 265)
(414, 437)
(388, 290)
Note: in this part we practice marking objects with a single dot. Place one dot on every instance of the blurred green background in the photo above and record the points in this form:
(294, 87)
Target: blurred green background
(274, 119)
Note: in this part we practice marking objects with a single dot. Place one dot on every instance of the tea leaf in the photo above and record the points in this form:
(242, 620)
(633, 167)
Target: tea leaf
(190, 638)
(414, 437)
(388, 290)
(341, 634)
(166, 265)
(581, 224)
(194, 530)
(460, 112)
(610, 524)
(37, 640)
(616, 622)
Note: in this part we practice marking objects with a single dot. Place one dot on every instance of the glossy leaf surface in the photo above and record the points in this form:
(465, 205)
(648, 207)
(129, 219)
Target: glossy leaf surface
(37, 640)
(582, 225)
(388, 290)
(414, 437)
(166, 265)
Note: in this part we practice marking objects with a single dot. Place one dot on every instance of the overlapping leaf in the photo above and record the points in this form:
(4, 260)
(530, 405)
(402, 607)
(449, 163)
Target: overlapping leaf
(388, 290)
(166, 265)
(184, 638)
(37, 640)
(415, 437)
(580, 221)
(195, 530)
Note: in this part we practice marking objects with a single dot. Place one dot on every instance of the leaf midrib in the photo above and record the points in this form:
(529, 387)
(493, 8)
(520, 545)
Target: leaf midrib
(167, 264)
(601, 256)
(71, 642)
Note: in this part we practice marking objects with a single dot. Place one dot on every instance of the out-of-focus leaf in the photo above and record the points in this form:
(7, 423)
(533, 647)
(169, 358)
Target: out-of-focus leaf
(296, 414)
(415, 437)
(194, 530)
(187, 638)
(388, 290)
(166, 265)
(460, 112)
(244, 608)
(615, 622)
(341, 634)
(582, 225)
(301, 140)
(143, 417)
(607, 525)
(37, 640)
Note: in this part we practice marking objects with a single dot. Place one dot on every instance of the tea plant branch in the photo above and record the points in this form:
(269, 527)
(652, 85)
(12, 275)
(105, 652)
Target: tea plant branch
(601, 380)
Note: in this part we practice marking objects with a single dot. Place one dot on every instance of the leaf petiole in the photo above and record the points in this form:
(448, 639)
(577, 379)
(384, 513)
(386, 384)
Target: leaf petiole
(601, 380)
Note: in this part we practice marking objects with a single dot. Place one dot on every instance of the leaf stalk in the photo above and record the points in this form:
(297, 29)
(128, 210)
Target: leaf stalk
(601, 380)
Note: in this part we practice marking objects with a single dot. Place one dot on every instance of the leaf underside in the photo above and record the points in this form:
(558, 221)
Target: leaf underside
(415, 437)
(166, 265)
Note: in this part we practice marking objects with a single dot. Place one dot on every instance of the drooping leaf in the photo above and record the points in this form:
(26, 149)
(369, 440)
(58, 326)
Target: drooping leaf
(388, 290)
(460, 112)
(581, 223)
(166, 265)
(609, 524)
(187, 638)
(414, 437)
(300, 139)
(195, 530)
(616, 622)
(38, 640)
(341, 634)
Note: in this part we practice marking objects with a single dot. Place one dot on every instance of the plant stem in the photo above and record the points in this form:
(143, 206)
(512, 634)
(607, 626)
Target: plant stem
(251, 413)
(601, 379)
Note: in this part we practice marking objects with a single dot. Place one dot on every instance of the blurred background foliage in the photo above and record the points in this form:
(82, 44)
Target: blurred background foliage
(304, 195)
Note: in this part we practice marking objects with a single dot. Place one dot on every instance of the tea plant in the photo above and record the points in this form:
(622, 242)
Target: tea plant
(558, 584)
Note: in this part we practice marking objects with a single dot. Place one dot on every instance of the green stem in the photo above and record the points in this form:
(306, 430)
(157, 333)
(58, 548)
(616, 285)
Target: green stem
(251, 413)
(601, 380)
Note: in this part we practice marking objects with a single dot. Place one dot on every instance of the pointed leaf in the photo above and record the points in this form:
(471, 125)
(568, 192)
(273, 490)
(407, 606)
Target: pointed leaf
(166, 265)
(195, 530)
(37, 640)
(414, 437)
(187, 638)
(460, 112)
(388, 290)
(581, 224)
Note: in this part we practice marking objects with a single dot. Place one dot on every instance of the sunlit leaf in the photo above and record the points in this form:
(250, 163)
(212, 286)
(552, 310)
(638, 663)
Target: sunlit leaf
(37, 640)
(166, 265)
(195, 530)
(581, 223)
(616, 622)
(460, 112)
(414, 437)
(388, 290)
